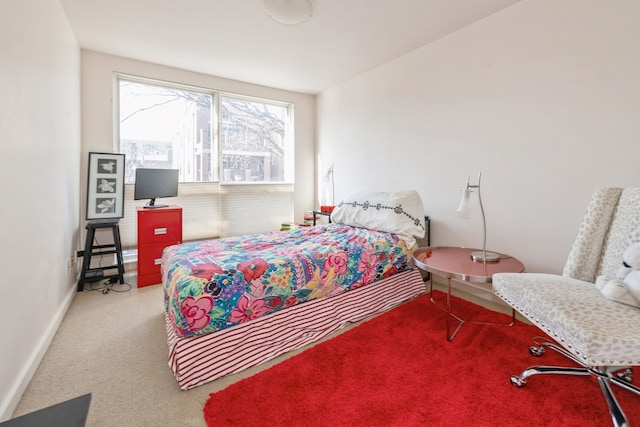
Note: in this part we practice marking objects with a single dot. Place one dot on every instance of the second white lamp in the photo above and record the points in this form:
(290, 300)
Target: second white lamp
(463, 211)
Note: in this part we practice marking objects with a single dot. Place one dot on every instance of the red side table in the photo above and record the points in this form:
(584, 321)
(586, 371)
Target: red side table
(456, 264)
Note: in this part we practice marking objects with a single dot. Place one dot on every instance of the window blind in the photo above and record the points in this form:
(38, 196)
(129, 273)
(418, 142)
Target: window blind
(211, 210)
(254, 208)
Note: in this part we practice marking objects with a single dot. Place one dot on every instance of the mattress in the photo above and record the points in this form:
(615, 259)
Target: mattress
(218, 284)
(200, 359)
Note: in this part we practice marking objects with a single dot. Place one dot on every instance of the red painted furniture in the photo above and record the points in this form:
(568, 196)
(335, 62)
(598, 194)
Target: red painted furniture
(456, 264)
(157, 229)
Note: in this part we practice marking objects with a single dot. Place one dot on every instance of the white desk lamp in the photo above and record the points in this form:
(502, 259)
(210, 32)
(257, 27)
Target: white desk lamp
(463, 212)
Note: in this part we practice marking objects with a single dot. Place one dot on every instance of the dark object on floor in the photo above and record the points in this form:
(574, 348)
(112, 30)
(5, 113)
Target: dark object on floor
(72, 413)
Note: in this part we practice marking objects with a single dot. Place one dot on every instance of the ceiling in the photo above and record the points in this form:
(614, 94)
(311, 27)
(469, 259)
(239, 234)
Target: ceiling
(236, 39)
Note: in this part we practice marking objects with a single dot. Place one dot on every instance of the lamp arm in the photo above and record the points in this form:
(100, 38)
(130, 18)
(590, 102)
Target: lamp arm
(484, 224)
(333, 190)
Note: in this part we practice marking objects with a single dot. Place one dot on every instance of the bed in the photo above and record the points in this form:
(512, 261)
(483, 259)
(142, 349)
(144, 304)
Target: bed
(236, 302)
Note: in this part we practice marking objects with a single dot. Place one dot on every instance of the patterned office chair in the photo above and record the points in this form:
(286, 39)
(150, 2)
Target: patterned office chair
(601, 335)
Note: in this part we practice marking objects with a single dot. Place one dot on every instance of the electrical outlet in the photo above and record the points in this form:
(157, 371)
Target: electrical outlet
(71, 262)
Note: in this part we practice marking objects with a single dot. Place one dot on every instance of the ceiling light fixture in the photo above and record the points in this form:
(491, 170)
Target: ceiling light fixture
(289, 12)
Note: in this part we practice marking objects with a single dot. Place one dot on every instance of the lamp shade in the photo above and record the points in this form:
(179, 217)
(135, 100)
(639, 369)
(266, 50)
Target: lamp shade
(289, 12)
(329, 174)
(329, 187)
(464, 210)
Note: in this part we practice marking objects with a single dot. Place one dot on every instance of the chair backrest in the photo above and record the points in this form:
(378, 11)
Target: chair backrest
(611, 224)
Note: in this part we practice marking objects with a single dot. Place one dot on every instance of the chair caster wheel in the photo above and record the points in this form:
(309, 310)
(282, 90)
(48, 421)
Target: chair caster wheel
(517, 381)
(625, 375)
(536, 351)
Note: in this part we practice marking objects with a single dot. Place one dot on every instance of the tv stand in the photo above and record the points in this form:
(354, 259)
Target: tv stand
(152, 205)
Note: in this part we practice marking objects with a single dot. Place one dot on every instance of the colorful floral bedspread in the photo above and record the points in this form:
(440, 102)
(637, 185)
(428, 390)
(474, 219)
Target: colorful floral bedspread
(216, 284)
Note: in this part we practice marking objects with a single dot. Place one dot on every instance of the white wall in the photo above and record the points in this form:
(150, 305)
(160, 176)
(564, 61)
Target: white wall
(39, 169)
(97, 112)
(543, 98)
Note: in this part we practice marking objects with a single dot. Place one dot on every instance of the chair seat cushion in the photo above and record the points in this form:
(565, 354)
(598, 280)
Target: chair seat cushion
(596, 330)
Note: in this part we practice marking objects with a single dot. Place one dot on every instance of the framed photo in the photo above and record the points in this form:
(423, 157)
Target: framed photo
(105, 188)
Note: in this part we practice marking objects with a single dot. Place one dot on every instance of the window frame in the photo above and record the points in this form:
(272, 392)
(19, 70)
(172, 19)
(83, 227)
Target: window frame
(216, 125)
(118, 76)
(289, 142)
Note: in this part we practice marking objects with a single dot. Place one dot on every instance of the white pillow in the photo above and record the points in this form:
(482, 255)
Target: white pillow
(398, 212)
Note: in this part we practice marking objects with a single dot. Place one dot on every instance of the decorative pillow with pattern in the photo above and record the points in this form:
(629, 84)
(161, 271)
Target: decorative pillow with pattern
(397, 212)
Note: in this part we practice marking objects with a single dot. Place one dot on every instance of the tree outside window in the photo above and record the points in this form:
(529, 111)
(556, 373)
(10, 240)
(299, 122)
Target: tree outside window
(253, 141)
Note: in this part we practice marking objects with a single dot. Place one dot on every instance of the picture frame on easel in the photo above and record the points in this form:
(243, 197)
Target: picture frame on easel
(105, 186)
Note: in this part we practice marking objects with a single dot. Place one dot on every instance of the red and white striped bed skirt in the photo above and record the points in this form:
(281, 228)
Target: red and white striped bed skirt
(201, 359)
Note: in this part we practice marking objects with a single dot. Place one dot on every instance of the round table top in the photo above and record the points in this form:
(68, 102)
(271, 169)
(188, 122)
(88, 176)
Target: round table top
(456, 263)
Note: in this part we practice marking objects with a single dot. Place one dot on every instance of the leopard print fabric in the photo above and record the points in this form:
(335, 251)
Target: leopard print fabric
(624, 230)
(569, 307)
(596, 330)
(584, 259)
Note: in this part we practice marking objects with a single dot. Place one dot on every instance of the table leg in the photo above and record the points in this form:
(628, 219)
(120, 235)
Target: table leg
(460, 321)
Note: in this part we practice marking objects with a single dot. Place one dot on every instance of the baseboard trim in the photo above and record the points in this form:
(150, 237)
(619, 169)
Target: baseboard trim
(10, 403)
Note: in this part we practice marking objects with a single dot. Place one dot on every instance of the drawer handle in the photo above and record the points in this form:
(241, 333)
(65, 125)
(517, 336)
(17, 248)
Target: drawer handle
(157, 261)
(157, 231)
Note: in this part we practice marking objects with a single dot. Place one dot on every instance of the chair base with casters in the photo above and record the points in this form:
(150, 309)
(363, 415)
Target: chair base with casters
(605, 375)
(601, 336)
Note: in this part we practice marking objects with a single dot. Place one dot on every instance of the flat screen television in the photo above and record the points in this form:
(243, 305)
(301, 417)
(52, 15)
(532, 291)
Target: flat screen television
(154, 184)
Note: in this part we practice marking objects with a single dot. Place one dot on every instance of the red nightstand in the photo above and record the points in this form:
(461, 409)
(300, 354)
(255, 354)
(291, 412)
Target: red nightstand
(157, 229)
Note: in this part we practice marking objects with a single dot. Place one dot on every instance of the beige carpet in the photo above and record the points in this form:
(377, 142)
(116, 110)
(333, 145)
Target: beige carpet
(114, 346)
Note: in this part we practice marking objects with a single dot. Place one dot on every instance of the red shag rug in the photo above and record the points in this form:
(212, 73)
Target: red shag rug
(398, 369)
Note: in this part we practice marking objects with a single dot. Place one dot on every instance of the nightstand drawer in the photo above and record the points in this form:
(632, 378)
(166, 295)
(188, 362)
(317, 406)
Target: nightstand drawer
(160, 226)
(150, 256)
(149, 279)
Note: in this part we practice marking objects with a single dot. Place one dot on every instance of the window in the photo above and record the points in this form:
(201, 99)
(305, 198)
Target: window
(234, 153)
(164, 125)
(254, 141)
